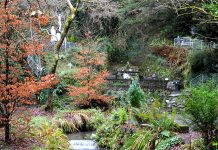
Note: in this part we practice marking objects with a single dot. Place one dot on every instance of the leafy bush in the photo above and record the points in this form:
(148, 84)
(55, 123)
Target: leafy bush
(104, 133)
(97, 118)
(37, 121)
(49, 136)
(159, 122)
(119, 116)
(168, 143)
(114, 55)
(89, 92)
(198, 144)
(203, 62)
(110, 134)
(158, 118)
(201, 108)
(52, 138)
(135, 95)
(155, 65)
(42, 97)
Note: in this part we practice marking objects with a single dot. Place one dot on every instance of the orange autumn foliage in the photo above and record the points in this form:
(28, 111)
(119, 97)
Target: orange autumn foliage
(176, 56)
(91, 78)
(43, 19)
(17, 84)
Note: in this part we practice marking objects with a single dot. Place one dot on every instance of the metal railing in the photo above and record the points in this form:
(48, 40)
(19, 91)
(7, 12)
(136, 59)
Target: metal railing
(188, 42)
(202, 78)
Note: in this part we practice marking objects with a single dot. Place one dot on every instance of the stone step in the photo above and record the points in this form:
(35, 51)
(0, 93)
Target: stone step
(175, 94)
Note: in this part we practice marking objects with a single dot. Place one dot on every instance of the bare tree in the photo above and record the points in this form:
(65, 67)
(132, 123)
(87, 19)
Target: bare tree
(205, 10)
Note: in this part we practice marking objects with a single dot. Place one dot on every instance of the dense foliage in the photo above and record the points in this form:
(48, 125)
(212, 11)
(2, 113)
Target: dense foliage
(201, 105)
(121, 58)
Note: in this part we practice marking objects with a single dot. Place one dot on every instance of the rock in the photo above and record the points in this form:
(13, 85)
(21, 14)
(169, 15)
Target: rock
(154, 76)
(126, 76)
(171, 86)
(173, 101)
(169, 106)
(111, 77)
(175, 94)
(70, 65)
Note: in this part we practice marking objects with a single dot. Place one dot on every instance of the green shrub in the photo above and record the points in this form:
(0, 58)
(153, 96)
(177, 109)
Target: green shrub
(155, 65)
(97, 118)
(42, 97)
(119, 116)
(49, 136)
(37, 121)
(203, 61)
(135, 95)
(104, 133)
(198, 144)
(109, 134)
(201, 108)
(168, 143)
(52, 138)
(158, 118)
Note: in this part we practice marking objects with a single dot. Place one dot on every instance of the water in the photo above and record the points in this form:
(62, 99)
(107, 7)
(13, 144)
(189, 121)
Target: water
(82, 141)
(83, 144)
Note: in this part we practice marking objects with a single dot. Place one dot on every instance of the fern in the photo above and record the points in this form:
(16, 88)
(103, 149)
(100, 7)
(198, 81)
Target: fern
(139, 140)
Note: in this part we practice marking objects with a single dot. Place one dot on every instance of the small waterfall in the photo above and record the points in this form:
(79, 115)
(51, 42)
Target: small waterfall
(83, 144)
(82, 141)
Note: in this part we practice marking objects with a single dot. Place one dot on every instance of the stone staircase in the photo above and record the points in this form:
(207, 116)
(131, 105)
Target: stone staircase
(172, 101)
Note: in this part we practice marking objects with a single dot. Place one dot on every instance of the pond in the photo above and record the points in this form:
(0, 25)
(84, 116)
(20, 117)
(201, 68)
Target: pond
(82, 141)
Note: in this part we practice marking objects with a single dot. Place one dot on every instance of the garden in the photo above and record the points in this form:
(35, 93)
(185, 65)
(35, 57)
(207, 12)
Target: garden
(98, 74)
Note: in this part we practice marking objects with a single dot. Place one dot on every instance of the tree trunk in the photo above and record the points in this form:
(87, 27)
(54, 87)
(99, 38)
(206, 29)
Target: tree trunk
(49, 106)
(7, 132)
(68, 22)
(59, 43)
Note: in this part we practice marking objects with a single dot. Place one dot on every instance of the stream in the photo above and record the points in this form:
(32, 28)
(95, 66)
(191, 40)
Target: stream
(82, 141)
